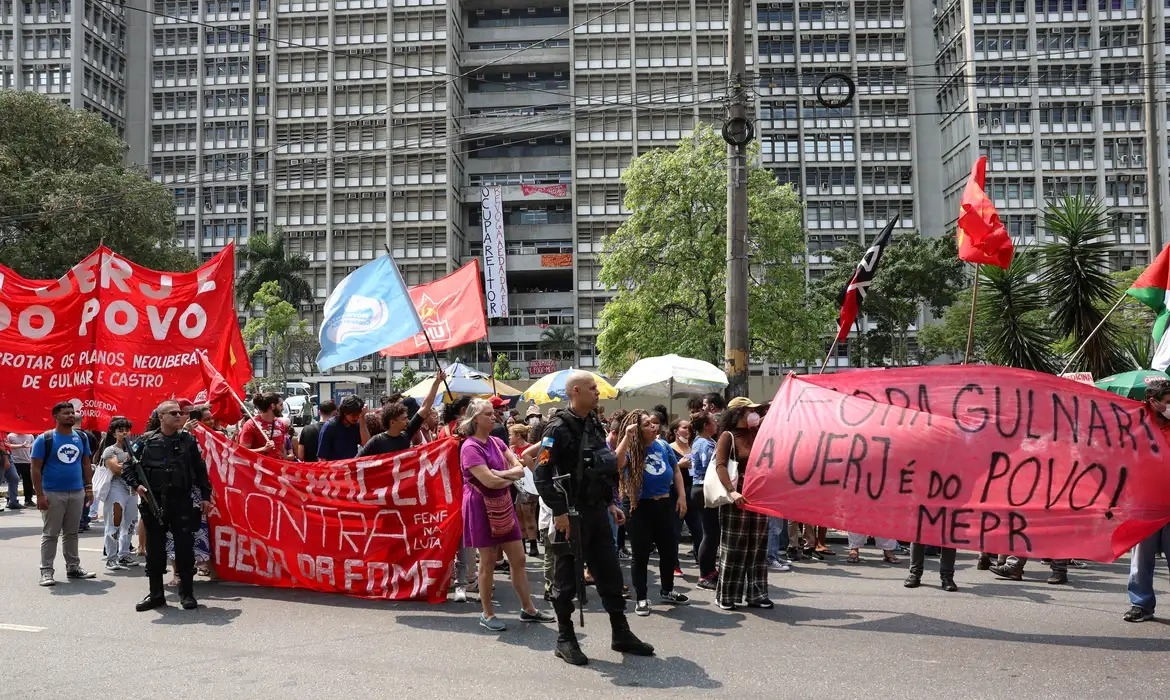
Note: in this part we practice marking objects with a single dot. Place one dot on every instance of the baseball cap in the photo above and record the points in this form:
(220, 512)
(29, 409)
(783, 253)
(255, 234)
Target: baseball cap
(497, 402)
(185, 405)
(741, 402)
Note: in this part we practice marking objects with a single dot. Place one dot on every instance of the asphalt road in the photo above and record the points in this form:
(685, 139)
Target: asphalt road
(839, 631)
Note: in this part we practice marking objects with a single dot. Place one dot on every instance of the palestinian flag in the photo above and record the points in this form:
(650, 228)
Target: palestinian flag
(1152, 288)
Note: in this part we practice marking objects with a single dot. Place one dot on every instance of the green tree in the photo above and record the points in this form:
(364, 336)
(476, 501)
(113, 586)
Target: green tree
(1134, 322)
(503, 369)
(667, 262)
(278, 331)
(269, 262)
(1077, 284)
(405, 379)
(1012, 306)
(947, 336)
(915, 271)
(558, 341)
(64, 189)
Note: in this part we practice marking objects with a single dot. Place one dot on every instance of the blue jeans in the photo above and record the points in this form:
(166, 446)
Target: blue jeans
(13, 484)
(1143, 559)
(777, 538)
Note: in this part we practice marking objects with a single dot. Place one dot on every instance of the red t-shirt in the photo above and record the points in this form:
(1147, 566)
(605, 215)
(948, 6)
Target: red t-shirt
(254, 436)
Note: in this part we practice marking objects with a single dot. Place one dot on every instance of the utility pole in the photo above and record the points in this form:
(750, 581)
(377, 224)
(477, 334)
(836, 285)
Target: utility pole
(737, 132)
(1153, 33)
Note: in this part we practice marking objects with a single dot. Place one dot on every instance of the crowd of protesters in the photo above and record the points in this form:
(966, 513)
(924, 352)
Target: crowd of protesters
(664, 463)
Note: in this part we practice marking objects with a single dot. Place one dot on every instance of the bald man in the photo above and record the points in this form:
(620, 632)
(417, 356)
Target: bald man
(574, 444)
(171, 467)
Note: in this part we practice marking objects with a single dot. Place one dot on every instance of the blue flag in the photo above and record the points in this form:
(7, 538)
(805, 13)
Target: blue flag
(370, 310)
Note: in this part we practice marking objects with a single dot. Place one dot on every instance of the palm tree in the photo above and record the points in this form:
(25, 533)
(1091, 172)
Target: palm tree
(1077, 283)
(268, 262)
(1012, 308)
(558, 340)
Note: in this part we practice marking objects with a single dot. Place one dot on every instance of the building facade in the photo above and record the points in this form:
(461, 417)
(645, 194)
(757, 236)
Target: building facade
(356, 125)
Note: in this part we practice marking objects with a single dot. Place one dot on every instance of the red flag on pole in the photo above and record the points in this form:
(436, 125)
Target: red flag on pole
(225, 403)
(854, 292)
(983, 240)
(451, 310)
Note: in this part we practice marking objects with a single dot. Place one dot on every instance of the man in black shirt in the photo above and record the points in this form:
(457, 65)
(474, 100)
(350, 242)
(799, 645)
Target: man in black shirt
(400, 428)
(311, 434)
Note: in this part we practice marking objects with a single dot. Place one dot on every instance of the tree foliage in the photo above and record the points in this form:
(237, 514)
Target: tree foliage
(279, 331)
(915, 271)
(269, 262)
(64, 190)
(407, 378)
(503, 369)
(667, 262)
(558, 341)
(1012, 305)
(1076, 280)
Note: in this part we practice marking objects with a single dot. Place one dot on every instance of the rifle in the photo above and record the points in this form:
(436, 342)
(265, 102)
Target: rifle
(575, 546)
(151, 501)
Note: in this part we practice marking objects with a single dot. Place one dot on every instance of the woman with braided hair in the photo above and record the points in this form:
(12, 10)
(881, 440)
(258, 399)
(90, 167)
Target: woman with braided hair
(649, 473)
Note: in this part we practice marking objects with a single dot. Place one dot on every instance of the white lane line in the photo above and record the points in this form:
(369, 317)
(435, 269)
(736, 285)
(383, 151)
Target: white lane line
(91, 549)
(21, 628)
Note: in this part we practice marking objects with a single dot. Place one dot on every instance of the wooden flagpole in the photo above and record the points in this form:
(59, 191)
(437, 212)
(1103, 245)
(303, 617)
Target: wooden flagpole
(1072, 358)
(426, 335)
(971, 319)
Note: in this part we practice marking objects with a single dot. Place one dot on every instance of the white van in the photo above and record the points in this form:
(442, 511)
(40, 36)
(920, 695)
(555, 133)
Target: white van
(298, 403)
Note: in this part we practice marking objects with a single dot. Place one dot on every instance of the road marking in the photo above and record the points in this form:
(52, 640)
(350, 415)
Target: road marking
(21, 628)
(91, 549)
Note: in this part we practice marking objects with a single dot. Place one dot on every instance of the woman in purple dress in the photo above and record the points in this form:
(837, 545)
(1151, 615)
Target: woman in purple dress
(489, 518)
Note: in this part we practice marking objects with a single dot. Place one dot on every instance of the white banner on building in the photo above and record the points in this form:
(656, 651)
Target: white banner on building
(495, 277)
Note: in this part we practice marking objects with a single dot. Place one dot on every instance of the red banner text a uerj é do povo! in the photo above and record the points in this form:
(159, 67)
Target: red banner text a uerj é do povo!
(112, 337)
(384, 527)
(984, 458)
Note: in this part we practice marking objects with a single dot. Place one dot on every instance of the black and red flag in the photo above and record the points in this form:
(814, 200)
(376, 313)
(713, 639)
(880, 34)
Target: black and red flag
(854, 292)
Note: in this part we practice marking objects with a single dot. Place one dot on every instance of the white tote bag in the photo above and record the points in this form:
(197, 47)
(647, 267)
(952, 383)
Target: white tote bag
(714, 494)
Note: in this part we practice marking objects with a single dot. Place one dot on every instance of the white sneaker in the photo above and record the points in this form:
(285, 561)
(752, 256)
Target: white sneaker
(642, 609)
(47, 579)
(460, 594)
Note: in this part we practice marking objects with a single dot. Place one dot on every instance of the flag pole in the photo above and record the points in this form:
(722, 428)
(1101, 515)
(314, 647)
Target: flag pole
(832, 349)
(971, 320)
(1072, 358)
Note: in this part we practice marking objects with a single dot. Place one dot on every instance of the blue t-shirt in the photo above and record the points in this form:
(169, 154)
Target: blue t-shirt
(702, 451)
(338, 441)
(61, 463)
(658, 474)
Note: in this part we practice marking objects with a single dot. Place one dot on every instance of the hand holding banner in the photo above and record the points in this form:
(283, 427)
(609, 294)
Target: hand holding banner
(1000, 460)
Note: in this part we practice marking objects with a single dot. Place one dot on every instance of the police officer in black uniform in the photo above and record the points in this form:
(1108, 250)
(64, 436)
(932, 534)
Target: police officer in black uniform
(594, 476)
(172, 465)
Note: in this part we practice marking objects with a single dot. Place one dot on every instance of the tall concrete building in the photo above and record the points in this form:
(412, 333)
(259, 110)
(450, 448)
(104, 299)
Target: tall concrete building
(81, 53)
(1054, 93)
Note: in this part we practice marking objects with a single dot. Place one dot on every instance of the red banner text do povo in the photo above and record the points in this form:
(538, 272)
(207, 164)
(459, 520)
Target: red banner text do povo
(112, 337)
(384, 527)
(983, 458)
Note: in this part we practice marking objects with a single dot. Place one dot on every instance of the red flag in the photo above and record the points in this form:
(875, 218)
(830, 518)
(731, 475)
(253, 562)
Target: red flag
(225, 403)
(983, 240)
(231, 360)
(451, 310)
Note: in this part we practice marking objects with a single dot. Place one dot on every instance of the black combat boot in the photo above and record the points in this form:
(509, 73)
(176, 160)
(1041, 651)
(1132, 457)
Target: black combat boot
(1058, 578)
(948, 583)
(155, 599)
(913, 580)
(624, 640)
(567, 648)
(187, 594)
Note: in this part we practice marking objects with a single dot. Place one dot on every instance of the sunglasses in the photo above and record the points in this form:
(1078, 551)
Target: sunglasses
(172, 413)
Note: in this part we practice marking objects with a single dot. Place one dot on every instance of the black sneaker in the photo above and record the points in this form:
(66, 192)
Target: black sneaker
(673, 598)
(984, 563)
(570, 652)
(912, 581)
(1058, 578)
(15, 506)
(1008, 572)
(763, 604)
(188, 602)
(1137, 614)
(80, 573)
(948, 584)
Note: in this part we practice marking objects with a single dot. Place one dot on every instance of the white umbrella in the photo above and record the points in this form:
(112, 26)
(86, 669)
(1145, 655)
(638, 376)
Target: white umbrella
(670, 376)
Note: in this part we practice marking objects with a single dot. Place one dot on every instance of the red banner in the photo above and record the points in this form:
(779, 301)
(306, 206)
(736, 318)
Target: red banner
(451, 310)
(550, 190)
(982, 458)
(110, 336)
(384, 527)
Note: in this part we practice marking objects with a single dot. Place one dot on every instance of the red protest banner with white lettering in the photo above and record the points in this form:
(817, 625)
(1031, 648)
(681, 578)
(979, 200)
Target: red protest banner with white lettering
(383, 527)
(112, 337)
(984, 458)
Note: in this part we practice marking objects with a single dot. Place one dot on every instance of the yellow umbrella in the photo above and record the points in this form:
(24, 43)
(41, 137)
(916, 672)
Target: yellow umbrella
(551, 387)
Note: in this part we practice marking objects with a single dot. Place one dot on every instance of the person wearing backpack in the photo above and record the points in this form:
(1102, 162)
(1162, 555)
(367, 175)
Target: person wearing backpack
(63, 480)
